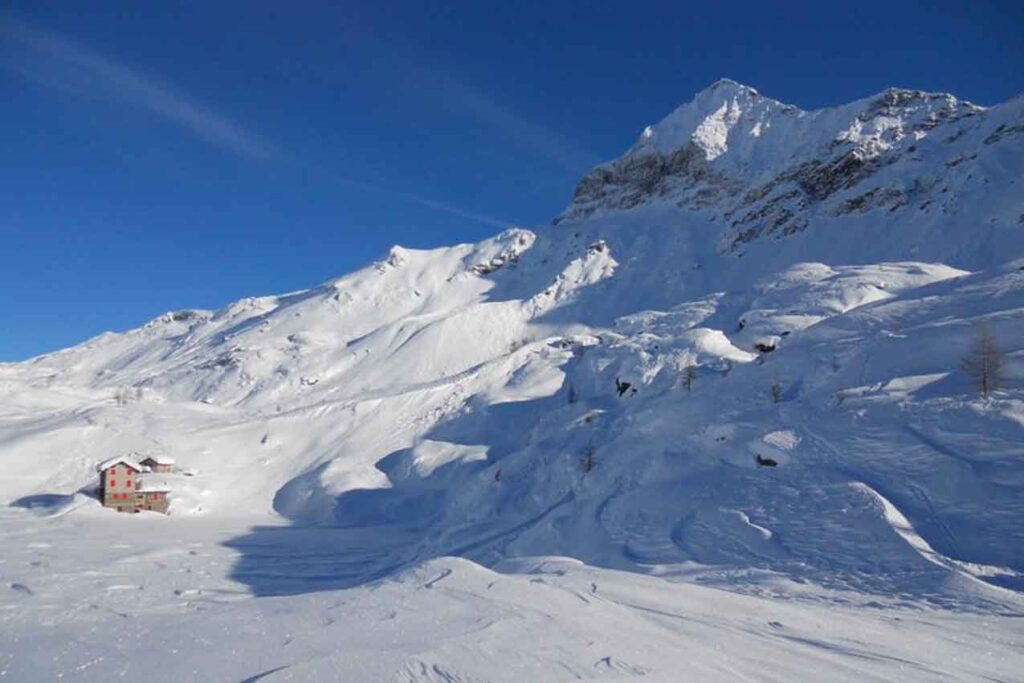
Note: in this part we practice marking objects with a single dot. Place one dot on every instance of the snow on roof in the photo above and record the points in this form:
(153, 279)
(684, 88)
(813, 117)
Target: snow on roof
(150, 485)
(117, 461)
(159, 459)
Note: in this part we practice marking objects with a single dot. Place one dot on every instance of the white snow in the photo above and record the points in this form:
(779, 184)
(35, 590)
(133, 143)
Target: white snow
(786, 439)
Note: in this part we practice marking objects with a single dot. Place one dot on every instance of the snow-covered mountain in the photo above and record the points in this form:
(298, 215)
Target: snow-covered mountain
(770, 283)
(945, 170)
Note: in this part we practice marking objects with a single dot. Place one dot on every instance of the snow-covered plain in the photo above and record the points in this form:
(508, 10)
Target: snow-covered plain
(432, 470)
(104, 599)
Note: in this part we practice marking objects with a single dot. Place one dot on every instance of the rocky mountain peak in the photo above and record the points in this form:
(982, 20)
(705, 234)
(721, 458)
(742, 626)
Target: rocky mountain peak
(758, 167)
(724, 89)
(709, 120)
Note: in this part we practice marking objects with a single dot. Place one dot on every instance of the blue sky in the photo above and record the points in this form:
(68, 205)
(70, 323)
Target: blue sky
(158, 156)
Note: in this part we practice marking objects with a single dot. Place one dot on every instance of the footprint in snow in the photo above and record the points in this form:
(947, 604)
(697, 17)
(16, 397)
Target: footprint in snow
(21, 588)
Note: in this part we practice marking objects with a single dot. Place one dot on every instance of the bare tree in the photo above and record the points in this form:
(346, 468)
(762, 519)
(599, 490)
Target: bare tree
(589, 460)
(689, 374)
(984, 362)
(776, 390)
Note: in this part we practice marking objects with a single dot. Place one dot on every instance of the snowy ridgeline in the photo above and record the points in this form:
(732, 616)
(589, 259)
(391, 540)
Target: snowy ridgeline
(787, 414)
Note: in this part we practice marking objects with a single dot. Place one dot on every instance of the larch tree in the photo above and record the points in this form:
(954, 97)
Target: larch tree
(689, 374)
(984, 362)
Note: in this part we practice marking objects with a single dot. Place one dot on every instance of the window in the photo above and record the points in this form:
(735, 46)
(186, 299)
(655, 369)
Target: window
(113, 483)
(128, 483)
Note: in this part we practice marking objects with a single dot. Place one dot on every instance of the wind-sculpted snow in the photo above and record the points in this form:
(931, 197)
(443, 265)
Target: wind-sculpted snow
(735, 360)
(166, 609)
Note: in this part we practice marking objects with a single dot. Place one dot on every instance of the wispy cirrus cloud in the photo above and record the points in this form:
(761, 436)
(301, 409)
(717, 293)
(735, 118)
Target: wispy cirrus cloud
(413, 198)
(51, 60)
(529, 135)
(418, 70)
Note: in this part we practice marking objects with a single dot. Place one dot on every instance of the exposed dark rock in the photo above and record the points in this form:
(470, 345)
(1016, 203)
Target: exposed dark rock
(224, 361)
(636, 179)
(961, 159)
(820, 180)
(875, 198)
(1003, 131)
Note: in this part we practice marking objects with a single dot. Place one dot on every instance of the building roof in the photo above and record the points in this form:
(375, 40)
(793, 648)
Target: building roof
(119, 461)
(158, 459)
